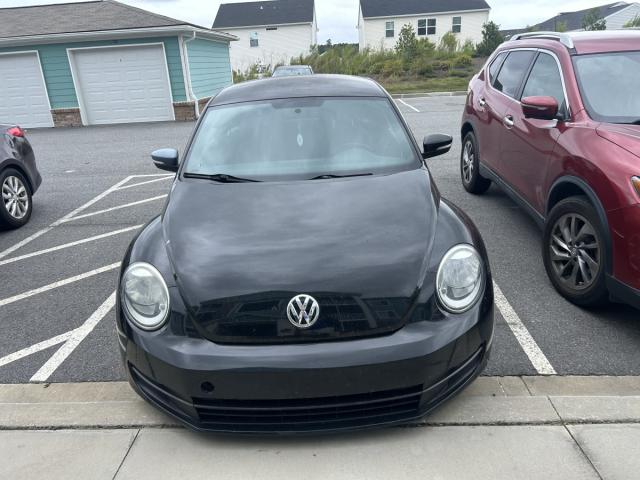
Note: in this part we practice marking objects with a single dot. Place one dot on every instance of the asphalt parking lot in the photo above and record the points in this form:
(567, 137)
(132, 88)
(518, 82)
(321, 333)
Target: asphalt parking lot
(58, 274)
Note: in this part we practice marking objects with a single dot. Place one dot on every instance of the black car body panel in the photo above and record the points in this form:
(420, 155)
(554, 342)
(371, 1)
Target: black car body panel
(232, 255)
(16, 152)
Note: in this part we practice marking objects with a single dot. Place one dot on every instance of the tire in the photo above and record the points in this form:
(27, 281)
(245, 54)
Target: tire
(574, 252)
(15, 199)
(472, 181)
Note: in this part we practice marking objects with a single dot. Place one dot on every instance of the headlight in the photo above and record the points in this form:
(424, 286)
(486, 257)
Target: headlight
(145, 296)
(460, 279)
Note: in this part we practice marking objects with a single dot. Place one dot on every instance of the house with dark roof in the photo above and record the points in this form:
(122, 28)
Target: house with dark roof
(269, 32)
(380, 21)
(102, 62)
(616, 15)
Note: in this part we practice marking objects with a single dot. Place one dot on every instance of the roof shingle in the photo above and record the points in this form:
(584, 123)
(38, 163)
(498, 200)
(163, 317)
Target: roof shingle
(271, 12)
(574, 19)
(386, 8)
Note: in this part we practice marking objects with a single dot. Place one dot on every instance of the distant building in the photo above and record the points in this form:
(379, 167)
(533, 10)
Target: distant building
(380, 21)
(269, 32)
(616, 15)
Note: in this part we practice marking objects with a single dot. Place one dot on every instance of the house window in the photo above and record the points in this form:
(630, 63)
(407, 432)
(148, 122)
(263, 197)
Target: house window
(422, 26)
(390, 29)
(431, 26)
(253, 39)
(457, 25)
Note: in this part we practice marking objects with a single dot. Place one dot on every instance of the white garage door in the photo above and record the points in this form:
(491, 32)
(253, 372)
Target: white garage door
(23, 96)
(122, 84)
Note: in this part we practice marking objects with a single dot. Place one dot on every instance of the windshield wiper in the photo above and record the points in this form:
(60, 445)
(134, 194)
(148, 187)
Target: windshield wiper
(330, 175)
(220, 177)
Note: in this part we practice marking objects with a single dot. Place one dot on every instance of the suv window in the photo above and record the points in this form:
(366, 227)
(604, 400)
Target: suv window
(512, 72)
(495, 66)
(545, 80)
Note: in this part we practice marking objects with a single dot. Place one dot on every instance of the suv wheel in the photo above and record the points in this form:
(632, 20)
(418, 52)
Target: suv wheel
(472, 181)
(574, 252)
(15, 199)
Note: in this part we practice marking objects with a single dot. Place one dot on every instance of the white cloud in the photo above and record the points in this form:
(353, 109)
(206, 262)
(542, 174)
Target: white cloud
(337, 19)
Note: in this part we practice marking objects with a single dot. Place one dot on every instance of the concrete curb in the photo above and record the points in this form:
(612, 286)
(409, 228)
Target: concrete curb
(488, 401)
(459, 93)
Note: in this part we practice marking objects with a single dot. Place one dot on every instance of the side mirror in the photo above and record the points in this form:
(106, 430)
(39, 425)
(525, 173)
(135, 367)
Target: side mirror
(542, 108)
(166, 159)
(436, 144)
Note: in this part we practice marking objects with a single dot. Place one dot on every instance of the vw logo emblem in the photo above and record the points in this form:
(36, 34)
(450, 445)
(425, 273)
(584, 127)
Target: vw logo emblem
(303, 311)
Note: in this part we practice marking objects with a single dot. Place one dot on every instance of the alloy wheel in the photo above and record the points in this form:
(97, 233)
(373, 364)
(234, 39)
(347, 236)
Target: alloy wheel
(15, 197)
(575, 251)
(468, 157)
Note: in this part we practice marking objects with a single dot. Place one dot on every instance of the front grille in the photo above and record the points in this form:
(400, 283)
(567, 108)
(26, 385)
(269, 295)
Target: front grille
(309, 414)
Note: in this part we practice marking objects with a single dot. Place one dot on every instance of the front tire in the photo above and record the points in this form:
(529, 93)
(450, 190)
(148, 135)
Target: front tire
(573, 250)
(472, 181)
(15, 199)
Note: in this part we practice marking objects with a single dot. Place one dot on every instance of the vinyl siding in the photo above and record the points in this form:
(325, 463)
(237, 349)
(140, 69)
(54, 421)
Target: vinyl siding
(373, 35)
(57, 72)
(209, 65)
(618, 19)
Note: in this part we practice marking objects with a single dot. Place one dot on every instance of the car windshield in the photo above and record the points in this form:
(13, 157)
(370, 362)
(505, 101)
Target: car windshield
(609, 85)
(291, 71)
(301, 138)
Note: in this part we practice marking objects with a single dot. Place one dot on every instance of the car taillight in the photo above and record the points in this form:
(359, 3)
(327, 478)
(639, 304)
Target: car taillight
(636, 184)
(16, 132)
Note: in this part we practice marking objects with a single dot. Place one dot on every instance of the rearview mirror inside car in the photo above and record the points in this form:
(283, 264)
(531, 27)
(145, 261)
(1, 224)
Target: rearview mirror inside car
(542, 108)
(436, 144)
(166, 159)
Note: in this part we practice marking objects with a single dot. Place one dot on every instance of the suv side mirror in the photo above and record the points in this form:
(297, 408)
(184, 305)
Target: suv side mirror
(542, 108)
(436, 144)
(166, 159)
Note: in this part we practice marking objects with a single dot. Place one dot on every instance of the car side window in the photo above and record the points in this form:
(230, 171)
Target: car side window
(495, 66)
(545, 81)
(513, 71)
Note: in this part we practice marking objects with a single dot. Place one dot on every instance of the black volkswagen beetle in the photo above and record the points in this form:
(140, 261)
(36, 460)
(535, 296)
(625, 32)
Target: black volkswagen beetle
(305, 274)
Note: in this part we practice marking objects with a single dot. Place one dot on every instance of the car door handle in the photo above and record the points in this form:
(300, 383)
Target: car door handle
(508, 121)
(482, 102)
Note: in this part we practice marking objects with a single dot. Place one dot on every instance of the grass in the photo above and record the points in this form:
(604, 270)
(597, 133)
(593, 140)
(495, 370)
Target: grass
(425, 85)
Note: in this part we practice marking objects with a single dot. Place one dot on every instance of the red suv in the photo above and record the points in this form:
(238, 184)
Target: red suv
(554, 120)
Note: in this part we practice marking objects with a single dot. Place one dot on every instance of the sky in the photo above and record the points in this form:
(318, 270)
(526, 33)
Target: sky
(337, 19)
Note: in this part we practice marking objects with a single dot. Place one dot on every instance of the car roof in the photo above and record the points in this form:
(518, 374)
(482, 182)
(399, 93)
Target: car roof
(300, 86)
(580, 43)
(292, 67)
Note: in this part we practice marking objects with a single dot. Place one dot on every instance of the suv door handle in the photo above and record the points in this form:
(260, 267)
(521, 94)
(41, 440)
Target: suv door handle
(508, 121)
(482, 102)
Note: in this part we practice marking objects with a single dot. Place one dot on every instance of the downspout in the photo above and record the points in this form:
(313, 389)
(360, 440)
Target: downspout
(189, 87)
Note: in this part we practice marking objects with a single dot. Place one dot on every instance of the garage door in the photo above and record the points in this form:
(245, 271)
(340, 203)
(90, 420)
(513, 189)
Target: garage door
(23, 96)
(122, 84)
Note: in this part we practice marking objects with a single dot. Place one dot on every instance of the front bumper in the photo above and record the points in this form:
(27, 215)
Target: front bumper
(326, 387)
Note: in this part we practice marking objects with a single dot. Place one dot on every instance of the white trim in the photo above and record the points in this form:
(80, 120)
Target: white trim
(432, 14)
(77, 85)
(114, 34)
(44, 81)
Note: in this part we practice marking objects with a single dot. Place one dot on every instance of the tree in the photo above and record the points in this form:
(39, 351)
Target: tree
(593, 20)
(407, 44)
(491, 39)
(561, 27)
(633, 23)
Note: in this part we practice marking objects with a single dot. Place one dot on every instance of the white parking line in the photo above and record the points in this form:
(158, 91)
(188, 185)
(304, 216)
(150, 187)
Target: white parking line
(38, 347)
(68, 245)
(407, 105)
(119, 207)
(76, 337)
(59, 283)
(524, 338)
(124, 187)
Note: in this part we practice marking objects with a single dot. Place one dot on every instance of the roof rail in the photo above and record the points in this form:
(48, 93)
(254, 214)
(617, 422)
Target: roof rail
(561, 37)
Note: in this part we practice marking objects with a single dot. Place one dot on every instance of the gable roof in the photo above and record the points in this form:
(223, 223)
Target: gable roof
(271, 12)
(94, 16)
(573, 20)
(386, 8)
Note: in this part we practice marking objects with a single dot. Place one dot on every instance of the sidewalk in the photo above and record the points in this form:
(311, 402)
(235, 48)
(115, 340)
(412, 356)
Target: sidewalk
(499, 428)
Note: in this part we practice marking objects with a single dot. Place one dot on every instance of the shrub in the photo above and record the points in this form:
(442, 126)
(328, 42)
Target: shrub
(633, 23)
(491, 39)
(462, 60)
(448, 43)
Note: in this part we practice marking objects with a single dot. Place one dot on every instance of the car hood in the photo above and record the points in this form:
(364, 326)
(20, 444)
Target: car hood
(625, 136)
(241, 251)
